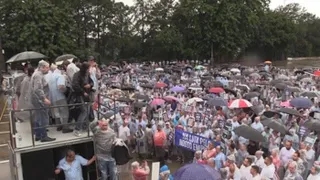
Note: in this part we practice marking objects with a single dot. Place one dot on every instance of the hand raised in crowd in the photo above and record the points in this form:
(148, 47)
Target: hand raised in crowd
(87, 86)
(47, 101)
(57, 171)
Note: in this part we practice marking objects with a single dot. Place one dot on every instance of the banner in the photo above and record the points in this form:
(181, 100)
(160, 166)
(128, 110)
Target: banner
(190, 141)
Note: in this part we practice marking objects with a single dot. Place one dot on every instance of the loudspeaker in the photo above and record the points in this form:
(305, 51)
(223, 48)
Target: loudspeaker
(38, 165)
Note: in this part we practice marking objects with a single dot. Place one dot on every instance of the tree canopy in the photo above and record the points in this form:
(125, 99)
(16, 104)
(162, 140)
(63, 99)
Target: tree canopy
(158, 29)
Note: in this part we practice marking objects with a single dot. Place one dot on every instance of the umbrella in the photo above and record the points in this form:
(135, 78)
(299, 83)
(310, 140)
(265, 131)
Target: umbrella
(217, 101)
(149, 86)
(199, 67)
(160, 85)
(216, 90)
(124, 99)
(227, 90)
(139, 104)
(159, 69)
(157, 102)
(171, 98)
(195, 99)
(26, 56)
(255, 75)
(265, 121)
(271, 114)
(310, 94)
(277, 127)
(276, 81)
(141, 97)
(281, 86)
(128, 88)
(249, 133)
(289, 111)
(294, 89)
(285, 104)
(316, 73)
(196, 171)
(188, 81)
(65, 57)
(306, 80)
(283, 77)
(301, 102)
(177, 89)
(235, 70)
(313, 125)
(251, 95)
(243, 87)
(239, 103)
(268, 62)
(214, 84)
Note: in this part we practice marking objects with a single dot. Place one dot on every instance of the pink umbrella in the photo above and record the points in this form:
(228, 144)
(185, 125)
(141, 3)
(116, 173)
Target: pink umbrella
(157, 102)
(171, 98)
(285, 104)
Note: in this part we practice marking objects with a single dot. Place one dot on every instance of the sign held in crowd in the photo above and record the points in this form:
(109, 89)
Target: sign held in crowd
(190, 141)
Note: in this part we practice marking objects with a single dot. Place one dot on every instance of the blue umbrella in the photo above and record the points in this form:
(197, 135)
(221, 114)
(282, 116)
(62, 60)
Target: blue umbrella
(177, 89)
(301, 102)
(197, 172)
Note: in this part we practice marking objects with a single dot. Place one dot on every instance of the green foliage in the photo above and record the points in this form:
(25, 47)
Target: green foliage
(157, 30)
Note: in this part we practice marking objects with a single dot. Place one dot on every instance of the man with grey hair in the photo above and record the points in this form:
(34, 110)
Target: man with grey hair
(39, 100)
(292, 173)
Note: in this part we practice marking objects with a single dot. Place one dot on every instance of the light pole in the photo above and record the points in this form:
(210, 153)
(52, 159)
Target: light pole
(2, 62)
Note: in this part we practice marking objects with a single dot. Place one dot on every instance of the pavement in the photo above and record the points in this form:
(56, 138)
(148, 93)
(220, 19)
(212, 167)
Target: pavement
(5, 171)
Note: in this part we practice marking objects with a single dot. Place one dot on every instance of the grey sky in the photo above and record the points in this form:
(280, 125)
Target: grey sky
(312, 6)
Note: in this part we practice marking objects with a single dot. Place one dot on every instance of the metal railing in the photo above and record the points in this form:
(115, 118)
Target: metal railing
(13, 126)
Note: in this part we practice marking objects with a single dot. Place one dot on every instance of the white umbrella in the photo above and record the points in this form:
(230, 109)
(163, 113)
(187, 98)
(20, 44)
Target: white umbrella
(235, 70)
(159, 69)
(195, 99)
(26, 56)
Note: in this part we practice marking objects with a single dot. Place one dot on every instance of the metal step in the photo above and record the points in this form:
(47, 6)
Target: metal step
(4, 152)
(4, 126)
(4, 137)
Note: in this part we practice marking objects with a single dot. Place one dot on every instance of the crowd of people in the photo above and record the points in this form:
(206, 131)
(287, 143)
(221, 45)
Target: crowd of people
(261, 122)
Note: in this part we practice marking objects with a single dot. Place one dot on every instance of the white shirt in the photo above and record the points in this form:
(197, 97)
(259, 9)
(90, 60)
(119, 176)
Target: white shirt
(310, 155)
(314, 177)
(71, 70)
(260, 162)
(257, 126)
(268, 171)
(285, 155)
(257, 177)
(245, 172)
(124, 132)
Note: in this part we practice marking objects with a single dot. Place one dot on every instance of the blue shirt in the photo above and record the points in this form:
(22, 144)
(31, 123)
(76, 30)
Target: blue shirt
(73, 171)
(219, 160)
(56, 79)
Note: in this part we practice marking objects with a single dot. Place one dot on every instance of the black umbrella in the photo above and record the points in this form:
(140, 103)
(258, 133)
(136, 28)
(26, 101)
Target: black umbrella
(217, 101)
(277, 127)
(250, 95)
(141, 97)
(149, 86)
(310, 94)
(313, 125)
(289, 111)
(128, 88)
(139, 104)
(270, 114)
(249, 133)
(281, 86)
(227, 90)
(65, 57)
(26, 56)
(124, 99)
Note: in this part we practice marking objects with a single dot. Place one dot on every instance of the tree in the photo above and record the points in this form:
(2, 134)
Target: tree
(36, 25)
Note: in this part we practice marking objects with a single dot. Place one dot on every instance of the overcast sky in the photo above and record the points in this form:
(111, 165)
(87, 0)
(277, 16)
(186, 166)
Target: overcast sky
(313, 6)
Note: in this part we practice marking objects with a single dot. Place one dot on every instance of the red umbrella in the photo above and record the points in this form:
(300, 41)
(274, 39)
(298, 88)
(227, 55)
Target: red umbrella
(216, 90)
(317, 73)
(161, 85)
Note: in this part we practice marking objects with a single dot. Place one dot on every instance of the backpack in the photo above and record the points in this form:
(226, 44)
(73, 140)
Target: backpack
(120, 152)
